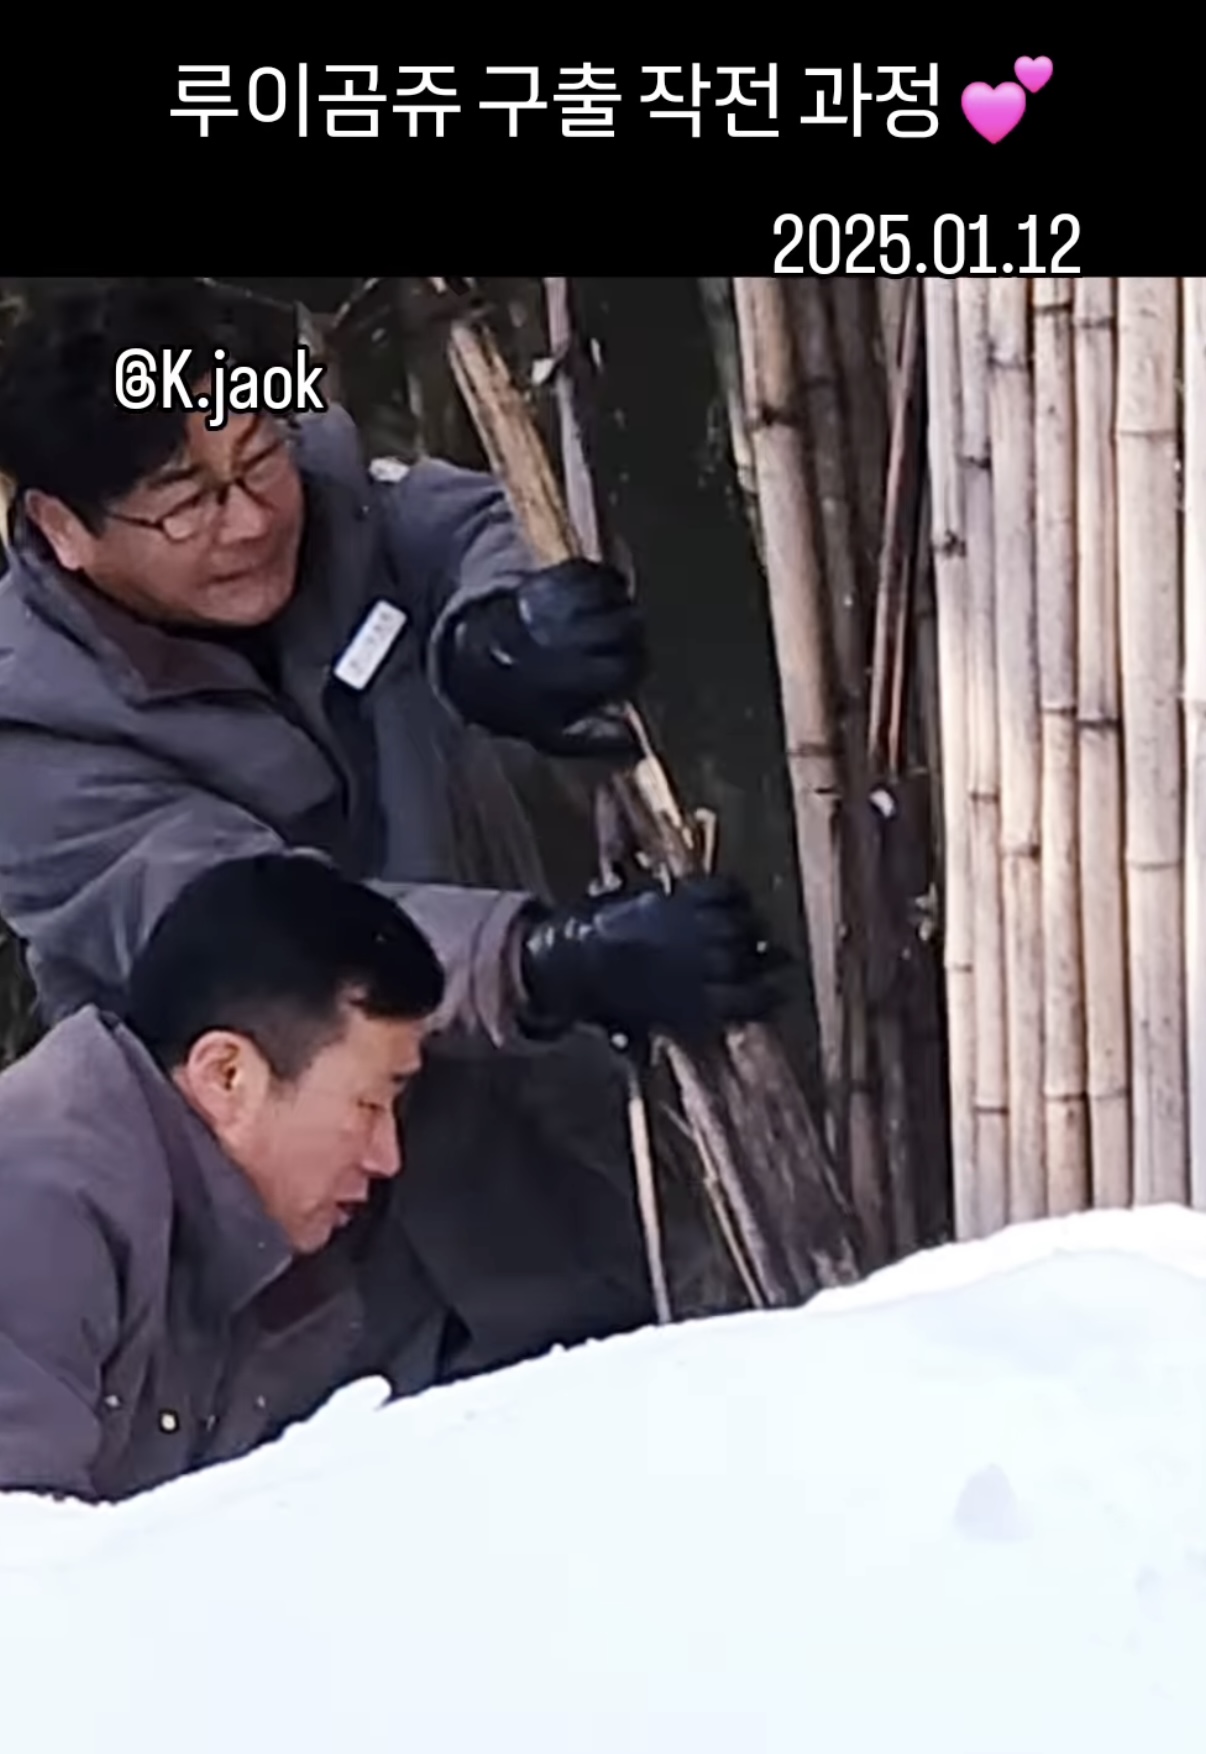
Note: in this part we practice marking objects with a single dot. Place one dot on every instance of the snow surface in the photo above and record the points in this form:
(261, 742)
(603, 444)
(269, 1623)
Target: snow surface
(959, 1509)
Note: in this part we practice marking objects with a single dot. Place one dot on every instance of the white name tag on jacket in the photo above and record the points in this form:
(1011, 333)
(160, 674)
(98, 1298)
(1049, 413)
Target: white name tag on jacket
(371, 644)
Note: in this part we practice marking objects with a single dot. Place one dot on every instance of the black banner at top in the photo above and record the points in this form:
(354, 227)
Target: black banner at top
(1023, 159)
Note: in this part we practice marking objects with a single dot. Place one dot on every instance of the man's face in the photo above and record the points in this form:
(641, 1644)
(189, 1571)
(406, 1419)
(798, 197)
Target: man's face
(314, 1148)
(235, 565)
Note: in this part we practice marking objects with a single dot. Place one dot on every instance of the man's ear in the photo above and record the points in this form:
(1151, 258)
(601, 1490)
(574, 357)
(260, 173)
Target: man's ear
(225, 1076)
(71, 541)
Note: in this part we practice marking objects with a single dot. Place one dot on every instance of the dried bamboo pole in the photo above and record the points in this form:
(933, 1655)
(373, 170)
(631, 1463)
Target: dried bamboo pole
(924, 637)
(890, 295)
(865, 950)
(1150, 627)
(796, 590)
(1194, 596)
(1012, 418)
(896, 540)
(1099, 732)
(948, 537)
(754, 1132)
(988, 925)
(856, 330)
(1055, 572)
(720, 310)
(579, 495)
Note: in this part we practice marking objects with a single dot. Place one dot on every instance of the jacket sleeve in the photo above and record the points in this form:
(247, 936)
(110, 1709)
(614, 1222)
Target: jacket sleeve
(59, 1321)
(108, 837)
(453, 536)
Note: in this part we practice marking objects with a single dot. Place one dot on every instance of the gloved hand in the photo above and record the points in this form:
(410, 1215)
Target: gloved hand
(540, 662)
(684, 963)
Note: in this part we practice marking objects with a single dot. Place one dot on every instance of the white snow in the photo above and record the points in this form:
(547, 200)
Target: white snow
(959, 1509)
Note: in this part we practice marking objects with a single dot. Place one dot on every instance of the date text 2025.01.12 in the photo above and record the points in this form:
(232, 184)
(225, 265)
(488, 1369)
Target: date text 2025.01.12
(955, 245)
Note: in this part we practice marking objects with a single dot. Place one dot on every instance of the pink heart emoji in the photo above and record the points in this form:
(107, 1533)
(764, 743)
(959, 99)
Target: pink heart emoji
(994, 113)
(1033, 74)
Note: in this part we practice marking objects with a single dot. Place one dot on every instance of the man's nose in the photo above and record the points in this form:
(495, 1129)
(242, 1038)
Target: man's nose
(384, 1155)
(242, 515)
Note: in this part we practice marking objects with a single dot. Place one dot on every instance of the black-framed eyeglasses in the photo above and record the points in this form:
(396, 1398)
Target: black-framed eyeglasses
(202, 511)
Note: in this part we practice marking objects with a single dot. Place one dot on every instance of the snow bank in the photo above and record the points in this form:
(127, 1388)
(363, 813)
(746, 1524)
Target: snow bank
(960, 1509)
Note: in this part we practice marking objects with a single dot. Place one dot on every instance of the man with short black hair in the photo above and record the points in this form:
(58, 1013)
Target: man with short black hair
(191, 1256)
(221, 641)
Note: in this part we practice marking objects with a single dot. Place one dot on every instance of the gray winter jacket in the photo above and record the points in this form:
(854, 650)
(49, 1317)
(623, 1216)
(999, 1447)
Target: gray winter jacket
(132, 757)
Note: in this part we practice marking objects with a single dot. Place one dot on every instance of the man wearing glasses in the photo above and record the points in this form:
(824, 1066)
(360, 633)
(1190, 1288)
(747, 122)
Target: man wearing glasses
(222, 642)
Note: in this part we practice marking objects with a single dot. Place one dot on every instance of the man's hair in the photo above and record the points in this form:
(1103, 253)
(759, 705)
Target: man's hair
(63, 430)
(274, 947)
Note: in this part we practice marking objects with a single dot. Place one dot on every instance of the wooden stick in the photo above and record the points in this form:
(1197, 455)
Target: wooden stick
(945, 426)
(1055, 572)
(891, 296)
(1099, 729)
(988, 925)
(894, 556)
(1011, 409)
(856, 327)
(579, 495)
(1150, 625)
(801, 639)
(1194, 595)
(760, 1140)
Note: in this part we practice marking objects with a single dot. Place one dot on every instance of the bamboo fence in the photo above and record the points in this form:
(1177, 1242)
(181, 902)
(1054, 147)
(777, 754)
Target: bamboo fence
(1063, 479)
(1067, 455)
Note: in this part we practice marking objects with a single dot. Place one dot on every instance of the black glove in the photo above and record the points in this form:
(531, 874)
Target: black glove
(540, 662)
(684, 963)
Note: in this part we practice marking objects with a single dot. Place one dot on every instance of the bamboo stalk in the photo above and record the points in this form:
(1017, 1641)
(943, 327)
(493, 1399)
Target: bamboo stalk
(856, 329)
(580, 499)
(1150, 627)
(1099, 730)
(754, 1132)
(720, 311)
(1194, 596)
(949, 542)
(866, 951)
(801, 642)
(895, 544)
(890, 296)
(1011, 412)
(925, 645)
(886, 702)
(1055, 573)
(988, 926)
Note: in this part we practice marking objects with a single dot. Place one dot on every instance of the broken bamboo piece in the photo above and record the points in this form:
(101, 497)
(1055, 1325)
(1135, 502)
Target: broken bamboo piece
(753, 1127)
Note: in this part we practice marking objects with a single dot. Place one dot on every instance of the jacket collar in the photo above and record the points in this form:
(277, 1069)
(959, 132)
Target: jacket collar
(235, 1249)
(149, 662)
